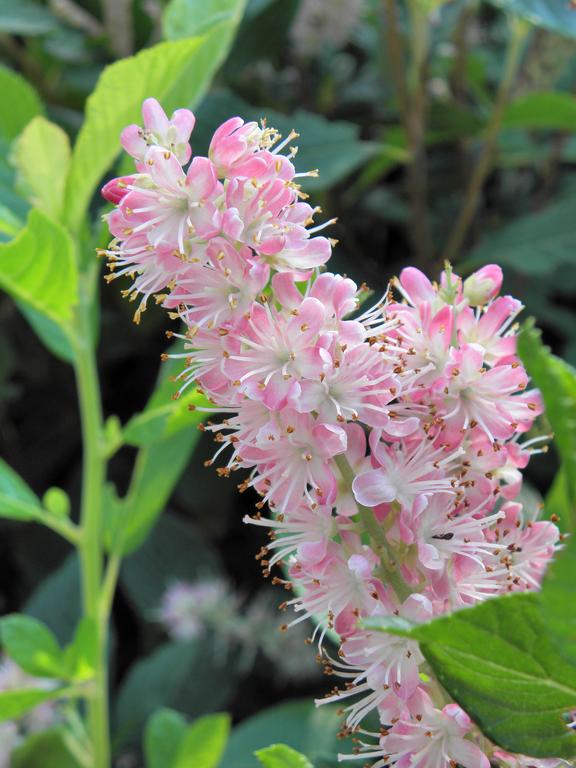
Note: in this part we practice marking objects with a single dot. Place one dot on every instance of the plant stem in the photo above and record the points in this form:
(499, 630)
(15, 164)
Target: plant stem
(119, 26)
(485, 160)
(377, 534)
(91, 525)
(416, 123)
(411, 95)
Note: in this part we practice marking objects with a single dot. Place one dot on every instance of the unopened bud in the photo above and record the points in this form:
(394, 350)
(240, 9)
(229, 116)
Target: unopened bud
(483, 285)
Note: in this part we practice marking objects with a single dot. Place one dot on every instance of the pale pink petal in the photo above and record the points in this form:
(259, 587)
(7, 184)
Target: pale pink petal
(372, 488)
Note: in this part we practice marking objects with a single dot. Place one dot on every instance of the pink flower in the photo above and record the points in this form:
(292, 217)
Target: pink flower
(483, 285)
(216, 291)
(405, 472)
(432, 737)
(171, 135)
(413, 408)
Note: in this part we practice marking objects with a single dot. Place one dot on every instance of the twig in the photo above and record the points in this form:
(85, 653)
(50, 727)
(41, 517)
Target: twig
(485, 160)
(118, 22)
(76, 16)
(411, 96)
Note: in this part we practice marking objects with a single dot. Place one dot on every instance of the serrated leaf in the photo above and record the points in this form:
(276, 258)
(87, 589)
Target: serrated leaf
(556, 380)
(41, 155)
(164, 733)
(497, 661)
(31, 645)
(533, 245)
(557, 601)
(176, 73)
(557, 16)
(38, 268)
(23, 100)
(281, 756)
(204, 742)
(14, 704)
(549, 110)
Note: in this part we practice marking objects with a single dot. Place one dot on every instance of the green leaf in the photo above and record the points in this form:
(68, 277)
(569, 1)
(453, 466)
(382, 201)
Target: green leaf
(550, 110)
(187, 18)
(25, 18)
(176, 73)
(159, 463)
(204, 742)
(332, 147)
(281, 756)
(533, 245)
(45, 749)
(17, 501)
(23, 100)
(184, 676)
(299, 724)
(165, 416)
(164, 733)
(57, 602)
(10, 224)
(557, 601)
(41, 155)
(158, 469)
(81, 656)
(558, 500)
(556, 16)
(556, 380)
(175, 551)
(38, 268)
(49, 332)
(497, 661)
(14, 704)
(31, 645)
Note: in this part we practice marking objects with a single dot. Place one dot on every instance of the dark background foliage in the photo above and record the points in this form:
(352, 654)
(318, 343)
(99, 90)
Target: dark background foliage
(331, 79)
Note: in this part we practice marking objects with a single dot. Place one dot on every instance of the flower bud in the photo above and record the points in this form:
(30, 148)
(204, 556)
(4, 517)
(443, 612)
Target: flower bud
(483, 285)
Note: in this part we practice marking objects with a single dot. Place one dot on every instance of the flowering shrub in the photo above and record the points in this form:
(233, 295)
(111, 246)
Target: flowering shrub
(387, 442)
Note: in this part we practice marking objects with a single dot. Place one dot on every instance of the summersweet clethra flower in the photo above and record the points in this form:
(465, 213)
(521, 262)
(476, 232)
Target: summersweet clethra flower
(171, 134)
(431, 738)
(388, 442)
(168, 215)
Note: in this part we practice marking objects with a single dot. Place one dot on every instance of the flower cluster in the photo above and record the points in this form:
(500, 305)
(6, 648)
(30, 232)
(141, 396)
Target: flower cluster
(388, 443)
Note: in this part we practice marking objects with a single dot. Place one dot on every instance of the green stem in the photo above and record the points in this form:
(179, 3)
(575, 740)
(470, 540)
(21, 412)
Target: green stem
(485, 160)
(91, 555)
(63, 527)
(377, 534)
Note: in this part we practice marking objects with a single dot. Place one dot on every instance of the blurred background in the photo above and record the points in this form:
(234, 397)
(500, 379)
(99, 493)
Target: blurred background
(440, 130)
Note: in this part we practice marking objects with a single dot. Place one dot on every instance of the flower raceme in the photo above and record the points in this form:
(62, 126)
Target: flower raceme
(388, 443)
